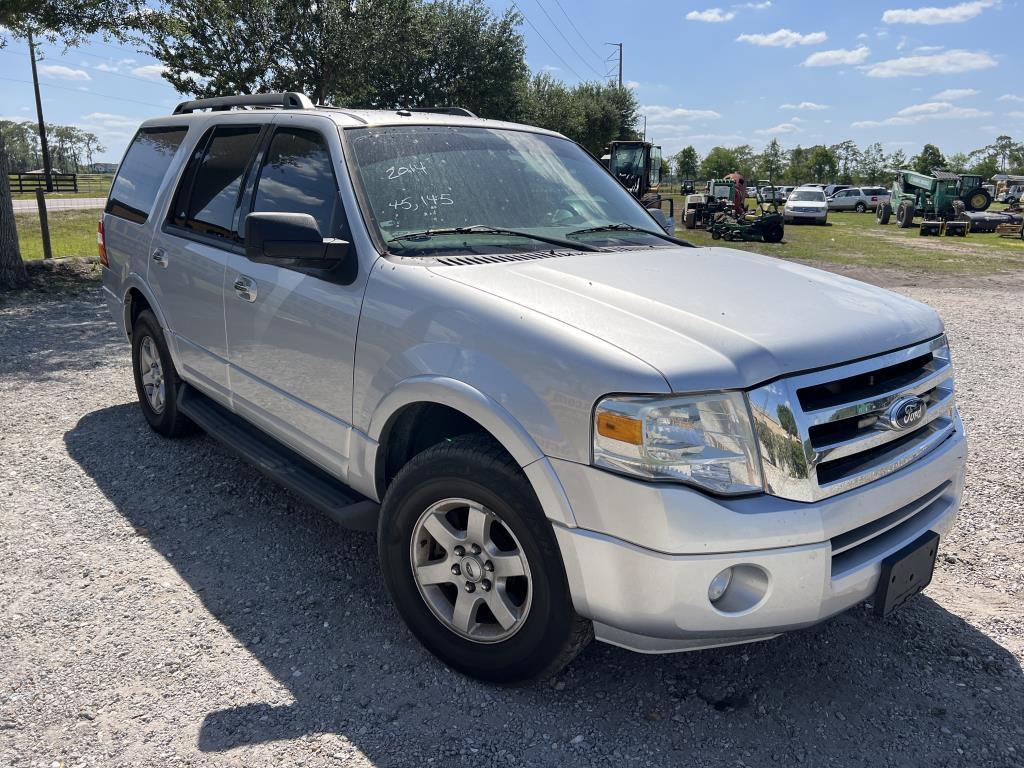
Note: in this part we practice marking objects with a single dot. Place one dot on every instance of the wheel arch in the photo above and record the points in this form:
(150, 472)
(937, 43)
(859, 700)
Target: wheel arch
(137, 297)
(424, 410)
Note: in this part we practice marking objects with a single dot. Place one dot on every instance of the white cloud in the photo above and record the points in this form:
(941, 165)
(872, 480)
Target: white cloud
(953, 14)
(104, 67)
(862, 36)
(632, 84)
(108, 120)
(837, 57)
(784, 38)
(948, 63)
(63, 73)
(756, 6)
(928, 48)
(1017, 115)
(781, 128)
(150, 71)
(951, 94)
(712, 15)
(931, 110)
(655, 112)
(1011, 97)
(805, 105)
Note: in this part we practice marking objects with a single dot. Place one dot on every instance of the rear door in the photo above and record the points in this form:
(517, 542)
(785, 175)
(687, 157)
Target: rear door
(190, 252)
(291, 332)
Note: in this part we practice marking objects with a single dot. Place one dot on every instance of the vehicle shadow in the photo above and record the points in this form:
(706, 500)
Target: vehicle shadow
(304, 598)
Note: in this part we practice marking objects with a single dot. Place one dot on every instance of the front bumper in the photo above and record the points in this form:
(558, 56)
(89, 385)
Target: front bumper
(641, 559)
(817, 216)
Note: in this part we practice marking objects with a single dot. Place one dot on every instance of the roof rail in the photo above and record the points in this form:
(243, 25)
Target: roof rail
(457, 111)
(290, 100)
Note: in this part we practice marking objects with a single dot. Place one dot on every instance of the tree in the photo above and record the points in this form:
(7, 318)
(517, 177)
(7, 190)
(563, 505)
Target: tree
(848, 157)
(375, 53)
(746, 160)
(821, 163)
(771, 162)
(1003, 149)
(797, 170)
(12, 268)
(898, 160)
(592, 114)
(872, 163)
(718, 162)
(958, 162)
(687, 162)
(930, 158)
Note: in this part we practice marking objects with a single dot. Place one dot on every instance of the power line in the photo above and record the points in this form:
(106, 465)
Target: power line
(557, 54)
(569, 19)
(90, 92)
(571, 46)
(94, 55)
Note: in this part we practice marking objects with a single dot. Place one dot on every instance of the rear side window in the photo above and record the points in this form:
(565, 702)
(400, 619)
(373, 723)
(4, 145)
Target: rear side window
(210, 188)
(297, 177)
(141, 172)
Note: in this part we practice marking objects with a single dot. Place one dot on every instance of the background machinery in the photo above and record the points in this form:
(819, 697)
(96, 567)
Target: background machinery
(939, 199)
(735, 224)
(637, 166)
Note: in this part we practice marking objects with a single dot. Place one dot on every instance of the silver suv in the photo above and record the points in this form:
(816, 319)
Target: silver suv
(562, 422)
(859, 199)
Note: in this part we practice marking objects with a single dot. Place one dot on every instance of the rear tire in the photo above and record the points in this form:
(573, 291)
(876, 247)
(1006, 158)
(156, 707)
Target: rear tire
(883, 213)
(978, 199)
(470, 496)
(905, 216)
(156, 380)
(773, 233)
(860, 208)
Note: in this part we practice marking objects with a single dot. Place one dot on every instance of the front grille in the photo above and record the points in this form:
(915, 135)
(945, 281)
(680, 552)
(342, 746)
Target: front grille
(828, 431)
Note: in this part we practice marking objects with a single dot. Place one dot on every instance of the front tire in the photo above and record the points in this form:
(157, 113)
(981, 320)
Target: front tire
(156, 379)
(473, 567)
(883, 213)
(860, 208)
(905, 216)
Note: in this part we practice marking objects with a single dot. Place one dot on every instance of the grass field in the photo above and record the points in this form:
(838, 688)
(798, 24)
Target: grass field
(72, 233)
(855, 238)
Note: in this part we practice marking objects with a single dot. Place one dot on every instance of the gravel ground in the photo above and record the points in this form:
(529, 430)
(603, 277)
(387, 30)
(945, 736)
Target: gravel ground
(165, 605)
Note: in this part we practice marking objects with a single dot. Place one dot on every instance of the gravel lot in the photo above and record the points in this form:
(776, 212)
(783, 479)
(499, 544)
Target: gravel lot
(162, 604)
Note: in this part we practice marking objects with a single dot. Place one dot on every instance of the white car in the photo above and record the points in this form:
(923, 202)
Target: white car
(806, 204)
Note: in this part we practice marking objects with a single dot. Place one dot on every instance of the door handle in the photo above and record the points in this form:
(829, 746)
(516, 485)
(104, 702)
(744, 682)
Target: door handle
(245, 288)
(160, 257)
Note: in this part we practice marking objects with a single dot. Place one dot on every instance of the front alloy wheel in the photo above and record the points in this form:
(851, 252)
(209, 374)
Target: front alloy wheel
(471, 570)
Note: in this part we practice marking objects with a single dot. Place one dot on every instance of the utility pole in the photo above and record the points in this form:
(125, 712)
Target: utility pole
(645, 128)
(47, 168)
(619, 46)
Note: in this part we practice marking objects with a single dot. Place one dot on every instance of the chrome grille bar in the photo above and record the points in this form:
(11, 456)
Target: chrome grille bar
(793, 457)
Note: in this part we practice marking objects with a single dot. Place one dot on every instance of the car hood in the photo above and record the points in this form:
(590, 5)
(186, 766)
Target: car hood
(710, 318)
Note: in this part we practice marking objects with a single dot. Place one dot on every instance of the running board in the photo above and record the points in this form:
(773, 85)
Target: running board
(278, 462)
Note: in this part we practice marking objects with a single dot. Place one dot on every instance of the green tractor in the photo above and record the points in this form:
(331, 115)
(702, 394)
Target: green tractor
(939, 199)
(764, 225)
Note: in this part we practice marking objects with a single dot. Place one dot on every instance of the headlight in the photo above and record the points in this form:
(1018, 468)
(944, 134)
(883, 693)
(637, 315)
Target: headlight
(703, 440)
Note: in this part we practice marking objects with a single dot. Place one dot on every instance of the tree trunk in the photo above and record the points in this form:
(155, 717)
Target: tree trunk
(12, 268)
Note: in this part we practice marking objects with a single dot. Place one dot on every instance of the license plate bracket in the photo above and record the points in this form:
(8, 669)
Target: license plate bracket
(905, 573)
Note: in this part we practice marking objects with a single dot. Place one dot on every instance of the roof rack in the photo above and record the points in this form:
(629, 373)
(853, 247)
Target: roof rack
(457, 111)
(290, 100)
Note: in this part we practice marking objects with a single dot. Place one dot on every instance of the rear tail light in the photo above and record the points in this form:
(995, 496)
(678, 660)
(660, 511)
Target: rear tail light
(874, 199)
(101, 244)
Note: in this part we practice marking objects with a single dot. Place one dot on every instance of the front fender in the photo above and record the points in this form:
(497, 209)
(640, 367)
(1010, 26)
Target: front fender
(485, 411)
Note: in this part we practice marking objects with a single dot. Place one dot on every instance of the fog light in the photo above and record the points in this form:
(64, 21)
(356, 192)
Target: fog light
(719, 584)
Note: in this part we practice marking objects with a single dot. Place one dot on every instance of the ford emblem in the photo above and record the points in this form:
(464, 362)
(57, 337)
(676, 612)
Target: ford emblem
(905, 413)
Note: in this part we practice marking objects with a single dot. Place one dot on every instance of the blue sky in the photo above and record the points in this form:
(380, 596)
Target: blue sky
(902, 72)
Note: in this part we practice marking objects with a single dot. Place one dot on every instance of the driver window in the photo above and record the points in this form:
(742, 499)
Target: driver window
(297, 177)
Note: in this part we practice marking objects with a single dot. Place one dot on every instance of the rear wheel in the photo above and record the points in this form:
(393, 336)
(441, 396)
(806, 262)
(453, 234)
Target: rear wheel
(978, 199)
(156, 380)
(473, 567)
(883, 213)
(905, 216)
(773, 233)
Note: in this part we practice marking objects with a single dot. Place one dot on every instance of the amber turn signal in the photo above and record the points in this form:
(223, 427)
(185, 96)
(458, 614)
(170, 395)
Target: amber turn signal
(621, 428)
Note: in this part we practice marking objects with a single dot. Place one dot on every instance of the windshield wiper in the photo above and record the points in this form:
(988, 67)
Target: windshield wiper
(627, 228)
(484, 229)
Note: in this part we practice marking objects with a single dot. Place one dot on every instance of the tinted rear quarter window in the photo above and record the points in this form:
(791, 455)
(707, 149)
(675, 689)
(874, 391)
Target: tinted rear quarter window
(142, 171)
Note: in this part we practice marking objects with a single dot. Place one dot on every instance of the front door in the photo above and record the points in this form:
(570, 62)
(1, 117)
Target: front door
(190, 253)
(291, 334)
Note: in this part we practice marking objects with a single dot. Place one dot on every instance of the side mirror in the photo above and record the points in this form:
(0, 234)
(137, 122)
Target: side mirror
(291, 240)
(667, 223)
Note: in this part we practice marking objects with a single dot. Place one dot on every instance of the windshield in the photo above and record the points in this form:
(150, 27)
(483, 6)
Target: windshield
(420, 178)
(807, 194)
